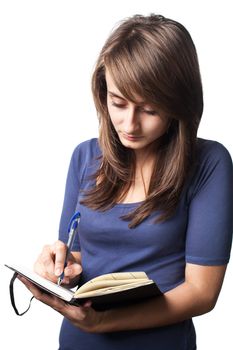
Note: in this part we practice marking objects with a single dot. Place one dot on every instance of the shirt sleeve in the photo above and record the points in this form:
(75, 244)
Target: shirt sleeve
(210, 224)
(70, 199)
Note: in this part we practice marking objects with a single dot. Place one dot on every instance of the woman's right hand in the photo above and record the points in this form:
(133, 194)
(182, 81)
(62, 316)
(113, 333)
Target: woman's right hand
(50, 264)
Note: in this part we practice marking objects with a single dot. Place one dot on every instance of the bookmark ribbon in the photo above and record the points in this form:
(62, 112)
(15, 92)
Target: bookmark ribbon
(11, 287)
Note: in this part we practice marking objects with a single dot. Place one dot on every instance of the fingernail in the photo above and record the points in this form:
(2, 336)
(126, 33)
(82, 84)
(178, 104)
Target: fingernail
(58, 272)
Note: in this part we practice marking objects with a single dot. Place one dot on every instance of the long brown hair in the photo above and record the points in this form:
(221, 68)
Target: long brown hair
(155, 58)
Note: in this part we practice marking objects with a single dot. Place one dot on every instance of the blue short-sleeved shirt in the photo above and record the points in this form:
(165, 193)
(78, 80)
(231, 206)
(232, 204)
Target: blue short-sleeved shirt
(199, 232)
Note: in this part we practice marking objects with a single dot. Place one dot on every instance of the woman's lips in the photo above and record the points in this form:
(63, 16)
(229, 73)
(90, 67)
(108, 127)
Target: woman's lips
(131, 137)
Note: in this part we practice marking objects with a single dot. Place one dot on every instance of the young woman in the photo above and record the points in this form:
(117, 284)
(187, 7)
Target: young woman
(153, 197)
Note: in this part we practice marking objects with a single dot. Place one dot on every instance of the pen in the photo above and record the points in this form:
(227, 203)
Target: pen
(72, 230)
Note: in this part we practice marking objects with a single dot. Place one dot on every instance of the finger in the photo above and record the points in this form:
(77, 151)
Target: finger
(31, 287)
(46, 259)
(45, 298)
(60, 255)
(75, 257)
(73, 270)
(40, 270)
(73, 313)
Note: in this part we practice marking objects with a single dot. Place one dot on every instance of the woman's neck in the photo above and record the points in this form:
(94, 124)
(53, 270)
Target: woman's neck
(139, 188)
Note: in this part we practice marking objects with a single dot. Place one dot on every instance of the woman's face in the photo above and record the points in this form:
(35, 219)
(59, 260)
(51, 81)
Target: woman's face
(137, 125)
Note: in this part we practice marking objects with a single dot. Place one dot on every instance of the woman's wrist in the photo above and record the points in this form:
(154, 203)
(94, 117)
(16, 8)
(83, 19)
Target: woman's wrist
(105, 323)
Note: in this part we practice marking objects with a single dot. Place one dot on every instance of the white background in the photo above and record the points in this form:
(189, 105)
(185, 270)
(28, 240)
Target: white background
(48, 51)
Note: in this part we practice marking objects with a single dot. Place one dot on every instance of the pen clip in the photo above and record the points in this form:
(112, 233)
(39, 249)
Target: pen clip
(74, 221)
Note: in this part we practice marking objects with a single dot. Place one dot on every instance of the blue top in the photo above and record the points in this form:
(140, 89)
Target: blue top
(200, 232)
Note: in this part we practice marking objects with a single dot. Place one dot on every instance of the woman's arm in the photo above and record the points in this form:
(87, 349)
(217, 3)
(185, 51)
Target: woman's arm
(196, 296)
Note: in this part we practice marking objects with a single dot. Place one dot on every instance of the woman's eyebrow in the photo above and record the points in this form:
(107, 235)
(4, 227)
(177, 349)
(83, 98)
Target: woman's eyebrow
(115, 95)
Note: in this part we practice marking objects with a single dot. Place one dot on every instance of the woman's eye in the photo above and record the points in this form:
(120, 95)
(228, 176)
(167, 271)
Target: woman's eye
(150, 112)
(118, 105)
(147, 111)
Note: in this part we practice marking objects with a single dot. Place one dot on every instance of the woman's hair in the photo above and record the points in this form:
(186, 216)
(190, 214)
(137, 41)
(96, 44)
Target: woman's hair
(155, 58)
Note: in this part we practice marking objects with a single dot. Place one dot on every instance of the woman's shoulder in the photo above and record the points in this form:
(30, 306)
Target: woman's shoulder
(85, 158)
(212, 151)
(213, 165)
(87, 149)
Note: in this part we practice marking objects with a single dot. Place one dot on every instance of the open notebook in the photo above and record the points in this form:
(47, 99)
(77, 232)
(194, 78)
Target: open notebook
(105, 291)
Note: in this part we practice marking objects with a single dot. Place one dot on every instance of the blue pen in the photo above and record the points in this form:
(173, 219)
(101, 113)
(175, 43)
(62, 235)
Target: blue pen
(72, 230)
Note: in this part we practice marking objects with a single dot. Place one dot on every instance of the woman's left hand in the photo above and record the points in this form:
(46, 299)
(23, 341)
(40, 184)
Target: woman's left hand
(83, 317)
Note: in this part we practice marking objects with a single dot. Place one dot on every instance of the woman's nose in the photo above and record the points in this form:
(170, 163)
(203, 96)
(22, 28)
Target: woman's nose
(131, 119)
